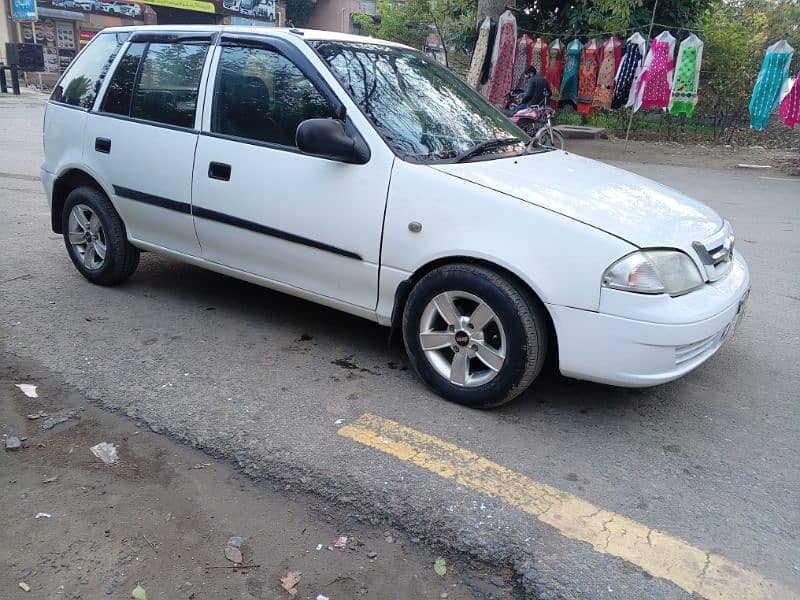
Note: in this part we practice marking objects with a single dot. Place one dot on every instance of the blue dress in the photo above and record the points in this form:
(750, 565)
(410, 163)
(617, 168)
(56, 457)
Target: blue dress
(766, 93)
(569, 83)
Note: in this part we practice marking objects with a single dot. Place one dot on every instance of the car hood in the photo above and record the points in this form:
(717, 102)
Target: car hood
(636, 209)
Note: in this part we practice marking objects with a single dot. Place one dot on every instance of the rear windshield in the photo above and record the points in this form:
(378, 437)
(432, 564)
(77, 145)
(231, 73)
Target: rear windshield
(80, 84)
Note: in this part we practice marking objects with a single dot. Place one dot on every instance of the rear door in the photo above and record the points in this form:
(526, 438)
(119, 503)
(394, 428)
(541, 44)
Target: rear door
(142, 137)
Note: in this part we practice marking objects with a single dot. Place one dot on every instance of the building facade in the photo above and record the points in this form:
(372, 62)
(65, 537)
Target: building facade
(337, 15)
(63, 27)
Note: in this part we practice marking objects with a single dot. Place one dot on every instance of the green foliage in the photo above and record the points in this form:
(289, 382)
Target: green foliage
(408, 21)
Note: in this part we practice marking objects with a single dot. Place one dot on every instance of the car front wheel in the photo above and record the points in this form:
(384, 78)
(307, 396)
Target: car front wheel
(473, 335)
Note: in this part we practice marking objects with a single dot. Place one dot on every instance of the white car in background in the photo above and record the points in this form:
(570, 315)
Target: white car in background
(362, 175)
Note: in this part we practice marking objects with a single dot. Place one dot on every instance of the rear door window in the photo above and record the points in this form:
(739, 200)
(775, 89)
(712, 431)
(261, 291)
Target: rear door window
(168, 83)
(120, 89)
(80, 84)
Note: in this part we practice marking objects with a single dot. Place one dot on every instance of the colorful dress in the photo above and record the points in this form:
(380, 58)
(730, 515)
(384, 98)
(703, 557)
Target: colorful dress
(478, 56)
(687, 76)
(500, 80)
(539, 56)
(587, 76)
(790, 105)
(553, 71)
(766, 93)
(655, 85)
(629, 71)
(523, 59)
(610, 53)
(569, 82)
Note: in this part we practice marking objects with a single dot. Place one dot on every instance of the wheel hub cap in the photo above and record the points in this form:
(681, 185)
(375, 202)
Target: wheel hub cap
(462, 338)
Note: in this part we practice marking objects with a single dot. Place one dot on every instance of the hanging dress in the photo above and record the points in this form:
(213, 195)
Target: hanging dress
(479, 54)
(687, 76)
(488, 60)
(554, 69)
(654, 88)
(522, 60)
(587, 76)
(569, 82)
(610, 53)
(539, 56)
(766, 93)
(790, 105)
(500, 80)
(629, 68)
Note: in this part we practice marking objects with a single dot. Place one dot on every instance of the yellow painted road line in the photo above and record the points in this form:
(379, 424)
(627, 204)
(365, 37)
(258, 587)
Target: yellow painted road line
(662, 555)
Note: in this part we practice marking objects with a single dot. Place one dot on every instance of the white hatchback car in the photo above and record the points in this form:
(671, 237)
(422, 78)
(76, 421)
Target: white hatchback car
(361, 175)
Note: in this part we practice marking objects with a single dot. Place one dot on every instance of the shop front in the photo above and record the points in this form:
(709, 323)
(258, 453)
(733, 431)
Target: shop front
(63, 27)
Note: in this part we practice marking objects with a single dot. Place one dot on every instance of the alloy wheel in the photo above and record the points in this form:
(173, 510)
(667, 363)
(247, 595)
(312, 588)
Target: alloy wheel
(86, 236)
(462, 338)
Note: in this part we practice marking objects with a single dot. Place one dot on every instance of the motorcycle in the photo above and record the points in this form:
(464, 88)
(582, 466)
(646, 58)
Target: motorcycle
(535, 120)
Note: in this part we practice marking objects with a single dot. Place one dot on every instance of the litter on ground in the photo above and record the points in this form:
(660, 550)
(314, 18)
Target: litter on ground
(105, 452)
(28, 389)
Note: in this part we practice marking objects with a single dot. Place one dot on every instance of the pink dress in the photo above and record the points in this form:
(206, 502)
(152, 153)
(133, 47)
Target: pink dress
(790, 105)
(502, 76)
(656, 81)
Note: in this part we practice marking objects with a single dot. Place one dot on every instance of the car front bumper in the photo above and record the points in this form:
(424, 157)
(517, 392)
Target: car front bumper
(659, 340)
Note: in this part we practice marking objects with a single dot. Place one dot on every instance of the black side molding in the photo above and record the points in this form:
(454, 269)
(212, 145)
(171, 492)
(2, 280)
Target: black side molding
(182, 207)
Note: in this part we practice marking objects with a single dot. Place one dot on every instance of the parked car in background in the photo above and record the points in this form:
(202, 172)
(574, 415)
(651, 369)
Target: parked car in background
(364, 176)
(88, 5)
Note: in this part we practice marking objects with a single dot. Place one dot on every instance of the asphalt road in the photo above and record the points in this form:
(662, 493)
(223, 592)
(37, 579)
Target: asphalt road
(711, 459)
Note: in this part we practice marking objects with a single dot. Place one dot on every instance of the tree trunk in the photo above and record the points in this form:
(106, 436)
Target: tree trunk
(493, 8)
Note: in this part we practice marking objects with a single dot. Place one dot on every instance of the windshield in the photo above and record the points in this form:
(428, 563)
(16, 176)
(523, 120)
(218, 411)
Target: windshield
(422, 110)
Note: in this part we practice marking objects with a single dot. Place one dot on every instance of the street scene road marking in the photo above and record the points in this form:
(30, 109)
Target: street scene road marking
(709, 575)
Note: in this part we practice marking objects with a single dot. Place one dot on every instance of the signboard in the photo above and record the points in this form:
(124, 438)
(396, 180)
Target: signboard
(85, 36)
(23, 10)
(260, 10)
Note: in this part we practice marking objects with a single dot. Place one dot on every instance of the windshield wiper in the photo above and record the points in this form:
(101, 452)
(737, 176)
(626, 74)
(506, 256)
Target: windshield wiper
(487, 145)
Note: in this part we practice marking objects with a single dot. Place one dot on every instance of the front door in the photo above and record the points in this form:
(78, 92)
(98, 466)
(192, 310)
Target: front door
(262, 206)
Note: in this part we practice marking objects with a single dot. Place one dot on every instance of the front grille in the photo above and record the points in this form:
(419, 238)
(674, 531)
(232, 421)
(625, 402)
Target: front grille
(687, 352)
(716, 252)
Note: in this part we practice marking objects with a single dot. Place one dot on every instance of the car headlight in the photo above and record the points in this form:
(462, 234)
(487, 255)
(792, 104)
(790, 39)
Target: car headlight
(654, 272)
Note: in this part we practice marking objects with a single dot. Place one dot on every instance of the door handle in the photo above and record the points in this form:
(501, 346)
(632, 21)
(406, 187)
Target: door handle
(219, 171)
(102, 145)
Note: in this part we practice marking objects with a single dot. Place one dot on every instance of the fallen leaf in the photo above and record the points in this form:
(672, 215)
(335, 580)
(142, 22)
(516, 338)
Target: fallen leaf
(233, 554)
(440, 566)
(139, 593)
(290, 581)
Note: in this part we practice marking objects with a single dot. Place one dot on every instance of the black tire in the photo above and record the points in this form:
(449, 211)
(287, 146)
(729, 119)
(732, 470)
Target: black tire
(522, 318)
(544, 139)
(121, 257)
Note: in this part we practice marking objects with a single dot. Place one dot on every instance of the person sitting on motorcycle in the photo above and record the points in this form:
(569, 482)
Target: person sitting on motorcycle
(537, 91)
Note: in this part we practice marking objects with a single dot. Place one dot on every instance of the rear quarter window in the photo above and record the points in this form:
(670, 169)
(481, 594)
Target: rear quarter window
(80, 84)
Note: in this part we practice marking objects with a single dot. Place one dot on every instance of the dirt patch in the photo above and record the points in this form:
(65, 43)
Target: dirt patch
(163, 514)
(701, 156)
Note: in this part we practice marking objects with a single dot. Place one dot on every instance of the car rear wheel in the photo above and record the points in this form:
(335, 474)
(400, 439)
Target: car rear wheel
(473, 336)
(95, 238)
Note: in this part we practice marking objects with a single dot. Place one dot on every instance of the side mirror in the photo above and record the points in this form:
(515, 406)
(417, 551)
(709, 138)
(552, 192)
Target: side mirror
(328, 139)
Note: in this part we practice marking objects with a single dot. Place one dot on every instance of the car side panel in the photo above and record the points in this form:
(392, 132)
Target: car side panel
(561, 259)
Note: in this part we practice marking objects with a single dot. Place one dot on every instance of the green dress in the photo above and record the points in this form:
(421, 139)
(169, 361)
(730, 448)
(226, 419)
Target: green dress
(687, 76)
